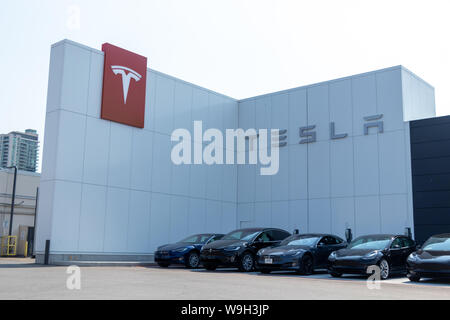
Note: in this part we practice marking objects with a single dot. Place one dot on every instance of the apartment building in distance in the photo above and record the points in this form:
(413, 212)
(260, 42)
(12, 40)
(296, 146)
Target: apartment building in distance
(20, 149)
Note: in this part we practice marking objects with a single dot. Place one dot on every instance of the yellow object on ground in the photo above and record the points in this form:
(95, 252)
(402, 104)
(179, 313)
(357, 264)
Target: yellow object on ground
(8, 246)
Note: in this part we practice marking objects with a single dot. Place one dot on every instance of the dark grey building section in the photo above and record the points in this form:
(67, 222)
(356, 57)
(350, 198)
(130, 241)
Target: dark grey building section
(430, 159)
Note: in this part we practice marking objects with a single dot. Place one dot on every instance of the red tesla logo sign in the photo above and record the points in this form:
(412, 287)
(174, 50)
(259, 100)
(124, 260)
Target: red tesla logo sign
(124, 84)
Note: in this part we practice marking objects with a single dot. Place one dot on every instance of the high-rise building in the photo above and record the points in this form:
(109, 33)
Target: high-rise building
(19, 149)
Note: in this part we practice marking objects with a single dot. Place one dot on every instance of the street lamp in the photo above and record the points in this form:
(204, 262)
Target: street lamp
(13, 199)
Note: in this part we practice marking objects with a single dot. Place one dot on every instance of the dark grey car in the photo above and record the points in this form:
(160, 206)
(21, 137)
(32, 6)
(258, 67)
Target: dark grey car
(238, 248)
(387, 251)
(302, 253)
(432, 260)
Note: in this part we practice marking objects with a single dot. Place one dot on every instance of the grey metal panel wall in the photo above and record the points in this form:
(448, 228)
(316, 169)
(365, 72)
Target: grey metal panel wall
(362, 182)
(430, 158)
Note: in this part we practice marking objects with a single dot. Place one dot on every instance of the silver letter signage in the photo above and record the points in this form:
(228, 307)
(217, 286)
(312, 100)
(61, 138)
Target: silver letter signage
(305, 132)
(373, 123)
(310, 136)
(333, 135)
(282, 137)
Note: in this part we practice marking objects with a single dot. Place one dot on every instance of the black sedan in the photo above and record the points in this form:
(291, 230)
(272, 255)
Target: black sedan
(432, 260)
(302, 253)
(388, 252)
(239, 248)
(186, 251)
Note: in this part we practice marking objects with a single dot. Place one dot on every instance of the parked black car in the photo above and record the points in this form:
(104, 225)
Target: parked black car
(186, 251)
(387, 251)
(302, 253)
(238, 248)
(432, 260)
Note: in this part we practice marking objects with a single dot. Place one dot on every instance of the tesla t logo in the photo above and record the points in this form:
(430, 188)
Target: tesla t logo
(124, 86)
(126, 78)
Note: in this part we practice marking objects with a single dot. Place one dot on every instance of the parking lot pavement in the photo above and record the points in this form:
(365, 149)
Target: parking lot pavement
(21, 279)
(400, 280)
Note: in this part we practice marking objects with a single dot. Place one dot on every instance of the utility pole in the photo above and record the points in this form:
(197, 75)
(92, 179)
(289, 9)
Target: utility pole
(34, 223)
(13, 199)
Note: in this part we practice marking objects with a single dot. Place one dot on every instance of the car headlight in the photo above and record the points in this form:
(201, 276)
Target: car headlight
(332, 256)
(412, 257)
(261, 252)
(371, 255)
(233, 248)
(180, 250)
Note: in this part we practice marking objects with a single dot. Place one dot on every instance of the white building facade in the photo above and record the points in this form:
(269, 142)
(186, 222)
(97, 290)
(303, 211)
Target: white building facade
(110, 191)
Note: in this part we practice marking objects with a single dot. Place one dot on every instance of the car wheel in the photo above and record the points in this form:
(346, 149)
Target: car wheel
(413, 277)
(385, 269)
(247, 262)
(163, 264)
(306, 265)
(210, 267)
(193, 260)
(265, 271)
(336, 274)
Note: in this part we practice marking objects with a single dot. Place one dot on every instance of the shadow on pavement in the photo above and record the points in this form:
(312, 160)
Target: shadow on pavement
(430, 282)
(319, 274)
(23, 266)
(20, 263)
(323, 275)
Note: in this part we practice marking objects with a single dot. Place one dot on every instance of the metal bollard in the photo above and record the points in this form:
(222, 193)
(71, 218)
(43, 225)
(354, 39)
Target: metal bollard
(47, 251)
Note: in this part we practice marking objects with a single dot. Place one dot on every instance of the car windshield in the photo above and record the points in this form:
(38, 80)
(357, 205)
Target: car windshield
(370, 243)
(437, 244)
(245, 235)
(299, 240)
(198, 238)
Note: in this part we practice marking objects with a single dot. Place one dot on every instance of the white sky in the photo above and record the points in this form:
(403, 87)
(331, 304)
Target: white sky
(240, 48)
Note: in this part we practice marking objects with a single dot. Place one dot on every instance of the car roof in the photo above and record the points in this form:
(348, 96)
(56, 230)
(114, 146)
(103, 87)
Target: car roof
(381, 235)
(249, 229)
(257, 229)
(317, 235)
(443, 235)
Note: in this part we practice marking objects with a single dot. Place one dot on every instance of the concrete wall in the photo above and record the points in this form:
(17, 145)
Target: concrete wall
(418, 97)
(110, 189)
(26, 187)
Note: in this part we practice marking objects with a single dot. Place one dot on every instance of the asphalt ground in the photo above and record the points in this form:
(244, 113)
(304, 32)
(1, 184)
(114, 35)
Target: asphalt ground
(22, 279)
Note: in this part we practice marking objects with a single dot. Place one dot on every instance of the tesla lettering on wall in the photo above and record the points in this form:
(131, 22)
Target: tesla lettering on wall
(124, 86)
